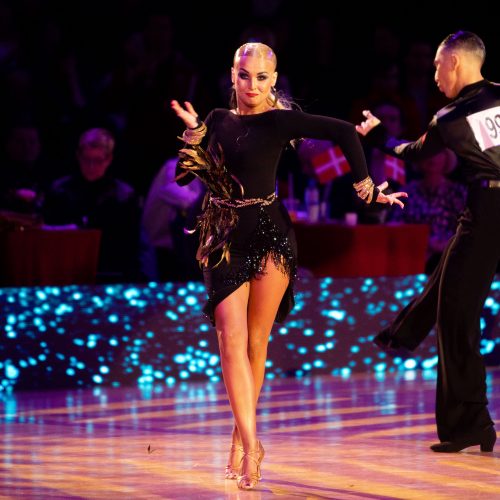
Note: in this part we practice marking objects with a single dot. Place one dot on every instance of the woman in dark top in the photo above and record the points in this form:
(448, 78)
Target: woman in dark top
(247, 245)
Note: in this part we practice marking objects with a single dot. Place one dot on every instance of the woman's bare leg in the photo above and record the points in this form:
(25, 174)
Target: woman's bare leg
(264, 296)
(266, 293)
(232, 334)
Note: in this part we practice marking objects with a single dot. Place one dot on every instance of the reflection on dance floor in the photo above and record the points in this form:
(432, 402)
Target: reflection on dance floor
(362, 437)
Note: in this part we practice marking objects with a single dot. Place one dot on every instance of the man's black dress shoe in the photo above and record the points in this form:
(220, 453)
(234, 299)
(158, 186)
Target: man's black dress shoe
(485, 439)
(390, 346)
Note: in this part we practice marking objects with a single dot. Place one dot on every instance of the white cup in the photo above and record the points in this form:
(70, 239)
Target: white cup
(351, 218)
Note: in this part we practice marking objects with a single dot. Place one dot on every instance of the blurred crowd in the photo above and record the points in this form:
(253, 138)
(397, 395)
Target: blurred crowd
(87, 138)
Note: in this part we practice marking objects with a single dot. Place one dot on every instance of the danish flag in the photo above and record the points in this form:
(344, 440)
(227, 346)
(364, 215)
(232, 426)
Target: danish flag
(329, 164)
(394, 169)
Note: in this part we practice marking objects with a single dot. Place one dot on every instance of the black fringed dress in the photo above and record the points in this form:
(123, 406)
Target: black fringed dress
(249, 149)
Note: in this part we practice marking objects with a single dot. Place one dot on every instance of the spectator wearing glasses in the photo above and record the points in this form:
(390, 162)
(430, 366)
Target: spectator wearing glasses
(93, 198)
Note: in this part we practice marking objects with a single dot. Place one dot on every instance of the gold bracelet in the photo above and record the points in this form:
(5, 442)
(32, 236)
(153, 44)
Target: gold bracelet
(194, 136)
(364, 189)
(365, 182)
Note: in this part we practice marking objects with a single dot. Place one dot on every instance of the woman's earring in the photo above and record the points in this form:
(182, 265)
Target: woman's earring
(275, 95)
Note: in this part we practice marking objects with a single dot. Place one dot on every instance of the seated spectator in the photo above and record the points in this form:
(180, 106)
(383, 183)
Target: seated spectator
(435, 200)
(93, 198)
(24, 175)
(168, 209)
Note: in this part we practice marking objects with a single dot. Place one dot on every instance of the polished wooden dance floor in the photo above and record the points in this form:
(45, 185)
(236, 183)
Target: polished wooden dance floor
(365, 437)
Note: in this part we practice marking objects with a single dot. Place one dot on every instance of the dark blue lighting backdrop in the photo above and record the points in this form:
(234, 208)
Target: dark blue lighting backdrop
(122, 335)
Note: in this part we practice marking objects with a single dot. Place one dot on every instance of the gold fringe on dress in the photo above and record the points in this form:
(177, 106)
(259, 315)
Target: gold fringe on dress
(216, 220)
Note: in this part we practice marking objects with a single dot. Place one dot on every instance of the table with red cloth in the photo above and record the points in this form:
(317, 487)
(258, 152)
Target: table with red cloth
(338, 250)
(38, 256)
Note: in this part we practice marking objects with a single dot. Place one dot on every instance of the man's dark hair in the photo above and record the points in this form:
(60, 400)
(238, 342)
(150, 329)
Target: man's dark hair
(465, 40)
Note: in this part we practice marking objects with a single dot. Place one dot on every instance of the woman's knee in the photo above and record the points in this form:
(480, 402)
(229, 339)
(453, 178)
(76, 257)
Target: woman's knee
(232, 341)
(258, 341)
(257, 353)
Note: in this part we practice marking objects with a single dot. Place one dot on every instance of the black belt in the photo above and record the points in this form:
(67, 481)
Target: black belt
(490, 183)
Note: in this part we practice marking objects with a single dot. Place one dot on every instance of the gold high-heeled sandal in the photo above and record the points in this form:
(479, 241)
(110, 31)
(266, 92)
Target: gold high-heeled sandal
(250, 481)
(234, 463)
(261, 456)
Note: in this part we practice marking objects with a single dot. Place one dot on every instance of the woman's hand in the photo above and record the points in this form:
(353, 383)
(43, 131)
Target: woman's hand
(188, 115)
(371, 122)
(390, 198)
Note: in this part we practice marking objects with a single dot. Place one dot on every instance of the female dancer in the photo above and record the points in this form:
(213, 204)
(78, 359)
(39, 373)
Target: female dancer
(247, 245)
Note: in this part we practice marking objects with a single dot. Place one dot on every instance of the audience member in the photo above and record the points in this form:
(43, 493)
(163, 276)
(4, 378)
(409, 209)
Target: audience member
(435, 200)
(24, 175)
(168, 210)
(150, 131)
(93, 198)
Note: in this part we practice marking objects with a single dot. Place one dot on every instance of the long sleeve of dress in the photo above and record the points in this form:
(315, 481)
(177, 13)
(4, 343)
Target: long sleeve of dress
(250, 146)
(296, 124)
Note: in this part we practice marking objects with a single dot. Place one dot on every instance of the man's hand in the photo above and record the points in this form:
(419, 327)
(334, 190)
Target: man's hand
(371, 122)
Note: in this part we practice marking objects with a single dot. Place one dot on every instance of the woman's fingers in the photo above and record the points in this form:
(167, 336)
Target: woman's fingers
(188, 115)
(395, 198)
(398, 202)
(190, 108)
(176, 107)
(392, 198)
